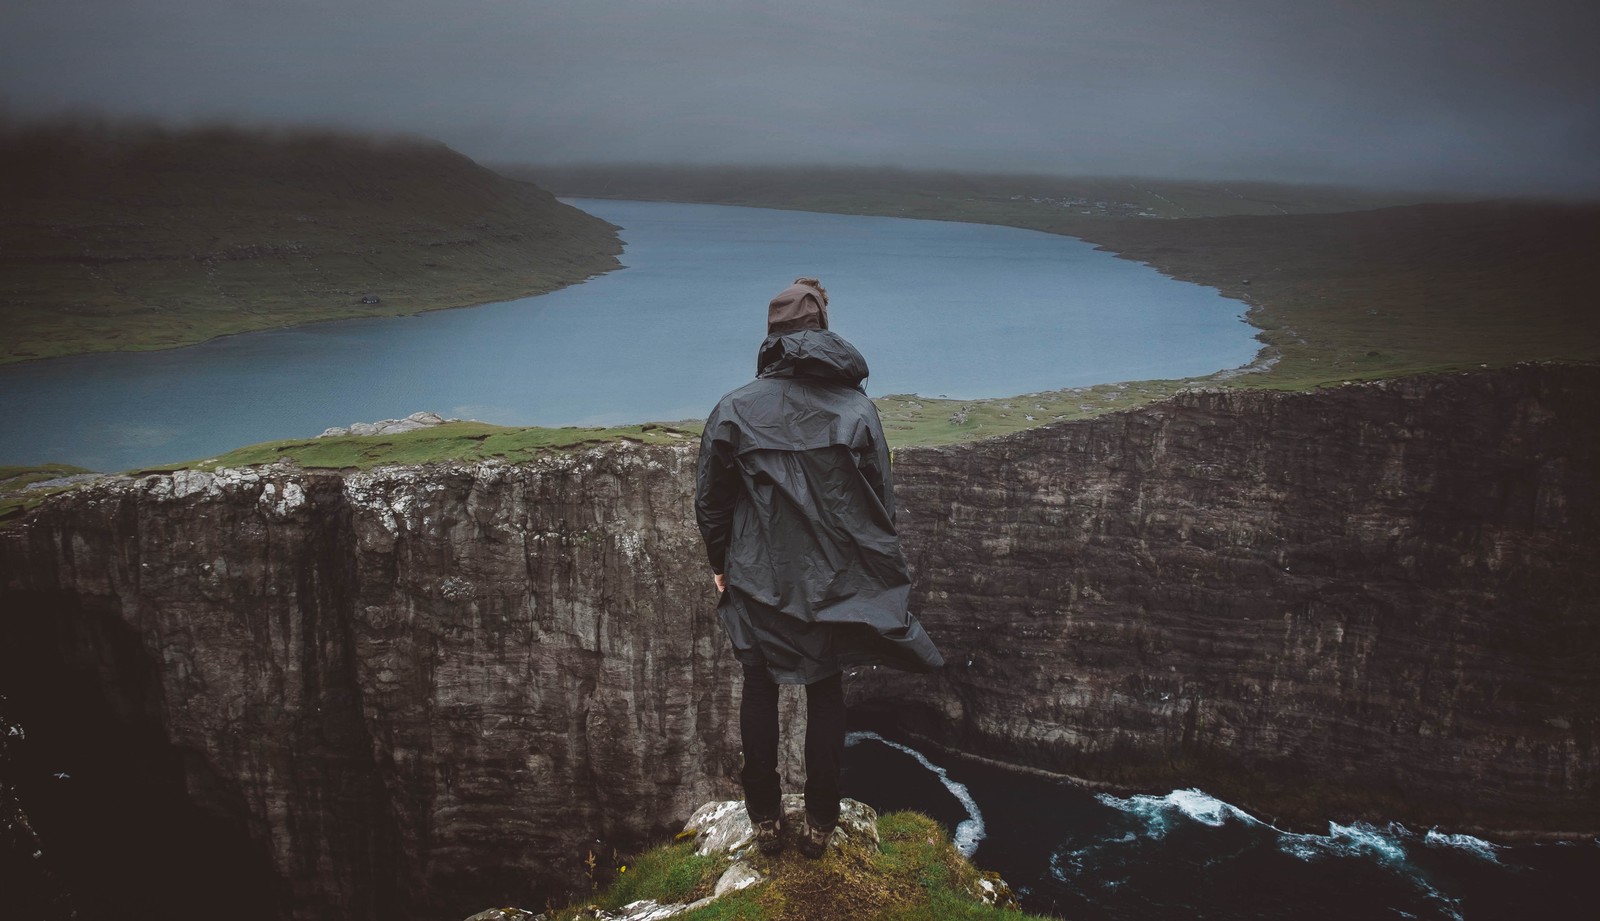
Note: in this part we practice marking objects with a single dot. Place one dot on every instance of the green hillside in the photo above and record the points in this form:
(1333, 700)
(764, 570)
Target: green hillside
(126, 238)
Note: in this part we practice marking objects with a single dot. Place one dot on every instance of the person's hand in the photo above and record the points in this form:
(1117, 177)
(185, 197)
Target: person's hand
(721, 580)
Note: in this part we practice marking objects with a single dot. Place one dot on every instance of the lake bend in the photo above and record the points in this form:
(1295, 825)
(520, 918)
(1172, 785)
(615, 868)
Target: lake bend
(968, 311)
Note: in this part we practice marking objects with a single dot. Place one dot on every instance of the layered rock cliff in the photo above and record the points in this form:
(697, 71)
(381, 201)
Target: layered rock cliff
(405, 693)
(418, 691)
(1378, 599)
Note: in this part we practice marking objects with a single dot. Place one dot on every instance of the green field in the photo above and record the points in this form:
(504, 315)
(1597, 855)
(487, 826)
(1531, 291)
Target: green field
(126, 238)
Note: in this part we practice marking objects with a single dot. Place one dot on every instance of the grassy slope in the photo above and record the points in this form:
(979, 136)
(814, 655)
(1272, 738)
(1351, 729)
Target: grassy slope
(1393, 291)
(137, 238)
(916, 876)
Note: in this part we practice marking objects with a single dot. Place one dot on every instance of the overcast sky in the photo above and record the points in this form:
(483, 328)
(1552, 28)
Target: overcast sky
(1491, 95)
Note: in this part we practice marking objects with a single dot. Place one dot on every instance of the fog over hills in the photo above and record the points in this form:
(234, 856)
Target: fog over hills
(1479, 96)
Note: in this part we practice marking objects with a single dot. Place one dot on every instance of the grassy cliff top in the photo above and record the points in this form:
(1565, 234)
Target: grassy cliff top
(452, 441)
(23, 488)
(128, 238)
(915, 875)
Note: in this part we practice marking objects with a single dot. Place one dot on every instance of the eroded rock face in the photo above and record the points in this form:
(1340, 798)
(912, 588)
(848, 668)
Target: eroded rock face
(1379, 599)
(420, 689)
(416, 691)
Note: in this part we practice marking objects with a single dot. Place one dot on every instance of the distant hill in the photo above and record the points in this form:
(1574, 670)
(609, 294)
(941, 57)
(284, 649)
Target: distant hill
(118, 237)
(1392, 291)
(987, 198)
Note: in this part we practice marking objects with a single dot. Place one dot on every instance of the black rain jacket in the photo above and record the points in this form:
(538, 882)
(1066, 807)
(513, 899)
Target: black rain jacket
(794, 499)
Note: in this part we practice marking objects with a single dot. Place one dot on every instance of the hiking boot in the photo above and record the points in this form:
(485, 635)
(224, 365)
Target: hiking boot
(814, 839)
(769, 838)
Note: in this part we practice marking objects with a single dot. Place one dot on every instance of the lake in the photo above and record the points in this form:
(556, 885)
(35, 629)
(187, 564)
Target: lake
(938, 308)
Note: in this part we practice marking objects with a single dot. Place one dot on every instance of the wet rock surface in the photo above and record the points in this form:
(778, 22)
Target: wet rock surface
(419, 690)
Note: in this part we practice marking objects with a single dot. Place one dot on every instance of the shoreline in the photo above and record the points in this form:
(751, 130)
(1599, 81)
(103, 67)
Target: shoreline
(9, 360)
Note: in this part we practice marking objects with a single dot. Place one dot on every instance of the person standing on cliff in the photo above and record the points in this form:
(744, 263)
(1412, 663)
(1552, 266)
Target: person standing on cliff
(795, 503)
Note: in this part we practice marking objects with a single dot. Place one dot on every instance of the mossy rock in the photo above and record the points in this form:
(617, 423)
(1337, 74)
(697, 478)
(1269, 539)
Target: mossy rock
(902, 867)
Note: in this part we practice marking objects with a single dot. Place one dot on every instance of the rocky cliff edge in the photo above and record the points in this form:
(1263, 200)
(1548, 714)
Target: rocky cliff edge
(412, 690)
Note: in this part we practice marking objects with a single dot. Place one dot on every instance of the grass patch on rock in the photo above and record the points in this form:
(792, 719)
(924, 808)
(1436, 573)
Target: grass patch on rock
(22, 488)
(910, 420)
(916, 874)
(670, 874)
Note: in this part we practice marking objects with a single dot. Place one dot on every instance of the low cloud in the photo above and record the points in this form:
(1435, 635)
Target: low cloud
(1459, 94)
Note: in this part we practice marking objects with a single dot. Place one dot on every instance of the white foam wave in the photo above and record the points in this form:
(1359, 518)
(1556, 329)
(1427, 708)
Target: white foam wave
(1157, 812)
(970, 831)
(1477, 847)
(1360, 840)
(1363, 841)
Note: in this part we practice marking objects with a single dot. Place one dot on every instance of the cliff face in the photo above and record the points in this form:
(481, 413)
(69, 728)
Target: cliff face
(1379, 599)
(416, 691)
(422, 690)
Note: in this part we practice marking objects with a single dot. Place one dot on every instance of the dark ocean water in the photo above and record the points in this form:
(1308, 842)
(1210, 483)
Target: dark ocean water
(966, 310)
(1185, 855)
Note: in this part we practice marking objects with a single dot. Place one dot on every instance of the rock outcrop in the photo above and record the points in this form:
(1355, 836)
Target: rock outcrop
(417, 420)
(417, 691)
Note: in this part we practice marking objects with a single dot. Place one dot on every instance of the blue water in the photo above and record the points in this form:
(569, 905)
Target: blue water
(1184, 854)
(963, 310)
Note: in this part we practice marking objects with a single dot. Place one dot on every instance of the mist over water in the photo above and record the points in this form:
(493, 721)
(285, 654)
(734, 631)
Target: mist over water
(938, 308)
(1186, 854)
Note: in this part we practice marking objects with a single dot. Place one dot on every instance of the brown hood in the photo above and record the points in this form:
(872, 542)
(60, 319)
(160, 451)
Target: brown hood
(797, 307)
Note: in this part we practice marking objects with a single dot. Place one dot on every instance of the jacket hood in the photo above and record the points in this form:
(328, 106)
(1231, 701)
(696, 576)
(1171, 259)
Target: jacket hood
(799, 306)
(818, 354)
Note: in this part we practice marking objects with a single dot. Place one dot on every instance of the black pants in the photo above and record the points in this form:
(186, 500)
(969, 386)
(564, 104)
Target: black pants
(758, 729)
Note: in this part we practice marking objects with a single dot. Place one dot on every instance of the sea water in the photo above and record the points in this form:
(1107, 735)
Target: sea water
(938, 308)
(1081, 855)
